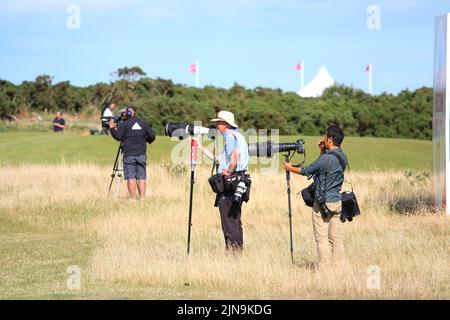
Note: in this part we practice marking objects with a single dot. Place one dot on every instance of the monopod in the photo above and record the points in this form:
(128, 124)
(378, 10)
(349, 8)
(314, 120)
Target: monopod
(193, 156)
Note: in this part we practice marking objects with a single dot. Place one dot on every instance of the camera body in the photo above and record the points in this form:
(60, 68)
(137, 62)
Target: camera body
(239, 193)
(117, 120)
(184, 130)
(323, 208)
(269, 148)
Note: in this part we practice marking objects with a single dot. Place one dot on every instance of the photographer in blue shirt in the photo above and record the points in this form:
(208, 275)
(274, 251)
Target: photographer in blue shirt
(233, 162)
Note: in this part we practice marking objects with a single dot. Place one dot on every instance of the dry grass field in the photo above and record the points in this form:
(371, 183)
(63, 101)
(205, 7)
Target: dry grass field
(56, 216)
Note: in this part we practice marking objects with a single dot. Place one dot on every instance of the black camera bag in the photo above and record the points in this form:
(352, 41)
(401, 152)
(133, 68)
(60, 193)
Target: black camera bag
(308, 194)
(350, 207)
(231, 182)
(216, 182)
(220, 183)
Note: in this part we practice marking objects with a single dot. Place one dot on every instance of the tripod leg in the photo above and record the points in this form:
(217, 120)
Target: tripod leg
(118, 159)
(120, 162)
(110, 184)
(119, 171)
(119, 182)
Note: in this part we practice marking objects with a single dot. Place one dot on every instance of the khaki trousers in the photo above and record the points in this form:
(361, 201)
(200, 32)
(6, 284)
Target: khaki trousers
(328, 232)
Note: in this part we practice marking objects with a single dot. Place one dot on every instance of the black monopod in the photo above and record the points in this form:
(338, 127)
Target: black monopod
(288, 183)
(193, 156)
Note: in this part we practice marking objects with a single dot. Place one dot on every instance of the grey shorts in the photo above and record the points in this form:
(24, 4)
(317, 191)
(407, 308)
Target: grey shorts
(135, 167)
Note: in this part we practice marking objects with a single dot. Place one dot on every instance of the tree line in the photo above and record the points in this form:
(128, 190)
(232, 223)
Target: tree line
(405, 115)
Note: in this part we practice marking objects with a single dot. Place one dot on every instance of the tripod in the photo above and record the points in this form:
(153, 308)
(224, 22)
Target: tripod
(117, 171)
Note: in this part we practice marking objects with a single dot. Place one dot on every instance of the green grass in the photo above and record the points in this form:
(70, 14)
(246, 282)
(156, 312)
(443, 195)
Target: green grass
(18, 148)
(34, 265)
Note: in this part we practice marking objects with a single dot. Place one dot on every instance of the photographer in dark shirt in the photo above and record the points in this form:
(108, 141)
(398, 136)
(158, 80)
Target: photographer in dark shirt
(134, 134)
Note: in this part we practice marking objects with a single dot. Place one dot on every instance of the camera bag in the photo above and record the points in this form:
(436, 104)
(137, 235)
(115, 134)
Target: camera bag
(308, 194)
(350, 207)
(217, 183)
(231, 182)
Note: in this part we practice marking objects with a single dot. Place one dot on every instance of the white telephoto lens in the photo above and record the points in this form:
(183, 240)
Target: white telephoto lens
(200, 130)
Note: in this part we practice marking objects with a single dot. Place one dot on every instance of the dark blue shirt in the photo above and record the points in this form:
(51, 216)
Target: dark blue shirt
(328, 175)
(134, 133)
(60, 121)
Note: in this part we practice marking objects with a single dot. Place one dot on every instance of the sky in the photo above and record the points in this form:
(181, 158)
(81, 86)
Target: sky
(255, 43)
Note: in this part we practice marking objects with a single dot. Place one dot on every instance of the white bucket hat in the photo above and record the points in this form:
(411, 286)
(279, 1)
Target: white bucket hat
(227, 117)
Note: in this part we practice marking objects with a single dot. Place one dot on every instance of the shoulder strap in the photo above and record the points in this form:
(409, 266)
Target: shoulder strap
(342, 163)
(234, 136)
(214, 159)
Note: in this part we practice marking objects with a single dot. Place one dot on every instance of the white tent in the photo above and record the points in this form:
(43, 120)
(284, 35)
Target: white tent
(317, 86)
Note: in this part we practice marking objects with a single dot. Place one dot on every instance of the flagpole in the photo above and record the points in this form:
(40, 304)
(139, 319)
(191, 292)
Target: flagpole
(302, 75)
(370, 78)
(197, 75)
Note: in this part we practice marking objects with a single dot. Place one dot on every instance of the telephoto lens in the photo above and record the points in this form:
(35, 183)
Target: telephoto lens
(184, 130)
(179, 130)
(269, 148)
(240, 190)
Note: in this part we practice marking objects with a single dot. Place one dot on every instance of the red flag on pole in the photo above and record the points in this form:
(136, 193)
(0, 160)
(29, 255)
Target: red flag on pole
(299, 67)
(369, 71)
(193, 68)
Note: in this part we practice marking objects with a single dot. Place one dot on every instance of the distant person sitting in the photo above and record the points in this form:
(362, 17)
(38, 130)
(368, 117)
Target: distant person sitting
(107, 114)
(59, 123)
